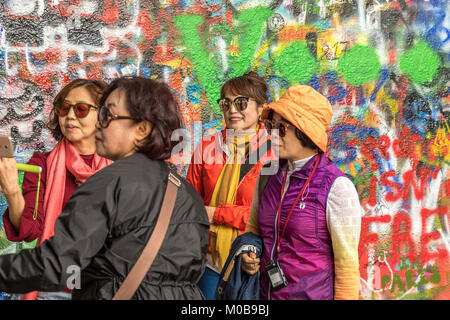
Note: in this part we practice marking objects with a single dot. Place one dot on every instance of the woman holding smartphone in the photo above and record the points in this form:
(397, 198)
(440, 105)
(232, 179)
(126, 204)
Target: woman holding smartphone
(71, 162)
(110, 218)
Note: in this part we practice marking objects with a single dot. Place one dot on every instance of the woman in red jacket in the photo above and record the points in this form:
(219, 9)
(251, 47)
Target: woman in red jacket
(225, 166)
(72, 161)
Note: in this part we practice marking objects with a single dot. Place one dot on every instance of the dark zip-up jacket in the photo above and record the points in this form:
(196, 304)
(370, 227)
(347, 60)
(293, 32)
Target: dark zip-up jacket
(102, 231)
(234, 283)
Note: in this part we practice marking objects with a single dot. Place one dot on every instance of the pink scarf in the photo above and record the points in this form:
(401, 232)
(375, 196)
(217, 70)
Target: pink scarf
(63, 156)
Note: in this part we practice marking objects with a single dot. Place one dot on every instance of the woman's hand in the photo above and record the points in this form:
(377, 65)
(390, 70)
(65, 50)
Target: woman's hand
(9, 177)
(210, 211)
(250, 263)
(9, 182)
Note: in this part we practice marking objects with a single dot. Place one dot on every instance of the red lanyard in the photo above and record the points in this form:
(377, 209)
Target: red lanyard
(293, 206)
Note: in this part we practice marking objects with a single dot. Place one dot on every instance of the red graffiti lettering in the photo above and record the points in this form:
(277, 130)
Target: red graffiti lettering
(373, 192)
(410, 179)
(405, 146)
(353, 96)
(384, 142)
(426, 237)
(402, 235)
(384, 180)
(368, 147)
(366, 236)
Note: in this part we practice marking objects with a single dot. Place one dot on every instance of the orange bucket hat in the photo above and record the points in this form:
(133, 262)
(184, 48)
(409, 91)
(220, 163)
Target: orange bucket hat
(306, 109)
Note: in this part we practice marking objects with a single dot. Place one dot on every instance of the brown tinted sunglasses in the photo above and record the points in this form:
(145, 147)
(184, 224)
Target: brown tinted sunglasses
(282, 127)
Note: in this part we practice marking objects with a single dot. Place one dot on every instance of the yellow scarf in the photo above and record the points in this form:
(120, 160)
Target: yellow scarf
(221, 236)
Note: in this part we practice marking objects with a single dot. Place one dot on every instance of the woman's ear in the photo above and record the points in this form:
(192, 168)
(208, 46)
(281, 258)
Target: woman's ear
(260, 109)
(143, 129)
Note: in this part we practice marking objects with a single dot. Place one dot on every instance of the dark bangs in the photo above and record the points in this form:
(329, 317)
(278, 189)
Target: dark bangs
(249, 85)
(150, 100)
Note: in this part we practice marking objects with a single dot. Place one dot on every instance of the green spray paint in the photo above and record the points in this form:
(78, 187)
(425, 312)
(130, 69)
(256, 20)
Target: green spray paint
(409, 279)
(359, 65)
(385, 279)
(207, 71)
(397, 282)
(435, 277)
(254, 22)
(252, 19)
(295, 63)
(420, 63)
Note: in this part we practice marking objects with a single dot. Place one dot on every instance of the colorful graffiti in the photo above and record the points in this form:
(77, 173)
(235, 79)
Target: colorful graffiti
(384, 66)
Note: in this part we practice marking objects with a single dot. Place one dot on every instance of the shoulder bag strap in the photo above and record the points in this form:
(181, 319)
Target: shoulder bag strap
(143, 264)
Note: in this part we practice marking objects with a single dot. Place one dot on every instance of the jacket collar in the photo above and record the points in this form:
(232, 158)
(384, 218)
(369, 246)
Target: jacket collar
(305, 171)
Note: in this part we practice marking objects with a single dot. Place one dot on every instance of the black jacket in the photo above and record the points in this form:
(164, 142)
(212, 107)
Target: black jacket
(103, 229)
(234, 283)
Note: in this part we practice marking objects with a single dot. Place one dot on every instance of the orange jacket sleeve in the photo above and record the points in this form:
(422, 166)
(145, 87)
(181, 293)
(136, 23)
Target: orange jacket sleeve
(232, 215)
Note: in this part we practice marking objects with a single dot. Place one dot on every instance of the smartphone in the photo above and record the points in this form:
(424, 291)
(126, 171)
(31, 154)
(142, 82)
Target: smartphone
(6, 147)
(7, 151)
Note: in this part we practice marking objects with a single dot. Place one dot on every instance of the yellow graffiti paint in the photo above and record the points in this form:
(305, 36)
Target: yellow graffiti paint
(234, 46)
(383, 98)
(441, 144)
(262, 51)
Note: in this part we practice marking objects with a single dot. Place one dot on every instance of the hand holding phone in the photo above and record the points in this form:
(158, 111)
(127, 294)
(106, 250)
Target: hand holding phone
(9, 181)
(9, 177)
(6, 147)
(7, 151)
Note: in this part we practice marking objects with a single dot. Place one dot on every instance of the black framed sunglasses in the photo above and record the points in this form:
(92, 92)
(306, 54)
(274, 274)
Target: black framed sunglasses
(80, 109)
(240, 103)
(282, 127)
(105, 117)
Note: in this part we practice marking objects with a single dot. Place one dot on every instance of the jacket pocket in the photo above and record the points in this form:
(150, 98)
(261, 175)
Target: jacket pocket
(315, 286)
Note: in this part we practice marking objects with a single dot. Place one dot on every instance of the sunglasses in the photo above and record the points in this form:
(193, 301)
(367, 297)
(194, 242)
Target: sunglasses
(105, 117)
(282, 127)
(81, 109)
(240, 103)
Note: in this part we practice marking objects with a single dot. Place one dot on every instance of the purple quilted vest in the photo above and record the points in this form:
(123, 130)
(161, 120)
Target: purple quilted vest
(306, 255)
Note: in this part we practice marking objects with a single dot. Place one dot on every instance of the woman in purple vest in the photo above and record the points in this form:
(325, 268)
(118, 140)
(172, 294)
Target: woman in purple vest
(308, 213)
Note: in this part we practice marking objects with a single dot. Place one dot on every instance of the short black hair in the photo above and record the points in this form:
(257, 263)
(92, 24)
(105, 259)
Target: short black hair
(150, 100)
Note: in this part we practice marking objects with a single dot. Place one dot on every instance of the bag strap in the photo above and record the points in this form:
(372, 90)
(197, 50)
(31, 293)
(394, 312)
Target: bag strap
(143, 264)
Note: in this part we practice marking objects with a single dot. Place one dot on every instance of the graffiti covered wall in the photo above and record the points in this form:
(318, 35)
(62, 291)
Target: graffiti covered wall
(383, 64)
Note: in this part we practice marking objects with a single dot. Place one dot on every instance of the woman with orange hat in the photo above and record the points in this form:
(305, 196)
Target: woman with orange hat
(308, 214)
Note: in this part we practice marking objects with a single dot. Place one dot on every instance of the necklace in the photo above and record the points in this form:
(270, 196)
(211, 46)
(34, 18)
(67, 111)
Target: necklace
(302, 204)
